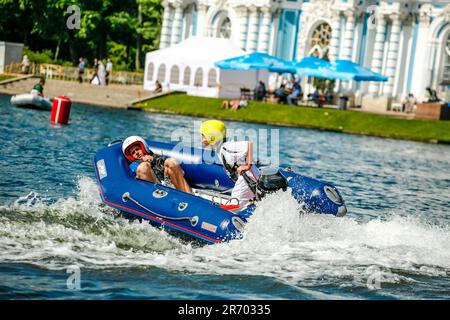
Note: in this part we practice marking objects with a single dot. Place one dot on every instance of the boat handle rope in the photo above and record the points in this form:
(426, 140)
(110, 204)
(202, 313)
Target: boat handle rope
(226, 191)
(231, 199)
(127, 196)
(216, 203)
(220, 200)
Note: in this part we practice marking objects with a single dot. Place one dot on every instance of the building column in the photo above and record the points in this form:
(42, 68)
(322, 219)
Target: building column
(301, 37)
(177, 24)
(189, 21)
(252, 41)
(347, 51)
(166, 27)
(421, 68)
(242, 14)
(391, 67)
(201, 19)
(377, 59)
(335, 36)
(264, 36)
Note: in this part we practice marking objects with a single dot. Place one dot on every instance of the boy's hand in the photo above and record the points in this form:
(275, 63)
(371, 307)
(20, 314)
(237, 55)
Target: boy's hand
(242, 169)
(147, 158)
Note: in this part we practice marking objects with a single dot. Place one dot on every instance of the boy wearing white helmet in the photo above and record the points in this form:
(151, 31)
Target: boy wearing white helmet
(236, 157)
(144, 163)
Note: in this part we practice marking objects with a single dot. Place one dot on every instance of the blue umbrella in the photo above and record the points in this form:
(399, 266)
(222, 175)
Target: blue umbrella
(257, 60)
(348, 70)
(339, 70)
(312, 67)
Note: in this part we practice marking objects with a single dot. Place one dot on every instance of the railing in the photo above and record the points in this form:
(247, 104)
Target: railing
(58, 72)
(13, 68)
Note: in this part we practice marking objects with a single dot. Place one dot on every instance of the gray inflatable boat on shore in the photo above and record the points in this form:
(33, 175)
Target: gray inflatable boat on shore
(29, 100)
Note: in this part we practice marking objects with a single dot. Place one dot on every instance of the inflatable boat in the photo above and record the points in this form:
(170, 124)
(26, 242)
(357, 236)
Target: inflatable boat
(209, 214)
(28, 100)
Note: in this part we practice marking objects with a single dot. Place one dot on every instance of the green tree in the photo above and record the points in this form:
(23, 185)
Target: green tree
(123, 28)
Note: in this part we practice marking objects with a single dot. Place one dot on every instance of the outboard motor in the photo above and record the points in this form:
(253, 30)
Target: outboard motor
(269, 181)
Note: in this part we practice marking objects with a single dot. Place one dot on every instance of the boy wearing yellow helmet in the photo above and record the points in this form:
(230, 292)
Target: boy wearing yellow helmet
(236, 157)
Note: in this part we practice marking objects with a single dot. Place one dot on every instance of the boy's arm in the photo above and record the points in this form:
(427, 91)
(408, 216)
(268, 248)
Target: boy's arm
(248, 159)
(249, 154)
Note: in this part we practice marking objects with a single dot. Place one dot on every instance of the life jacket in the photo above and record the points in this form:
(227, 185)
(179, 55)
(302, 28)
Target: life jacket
(157, 164)
(231, 171)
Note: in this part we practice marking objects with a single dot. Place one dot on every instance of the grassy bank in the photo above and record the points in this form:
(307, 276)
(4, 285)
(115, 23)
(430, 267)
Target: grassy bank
(307, 117)
(6, 77)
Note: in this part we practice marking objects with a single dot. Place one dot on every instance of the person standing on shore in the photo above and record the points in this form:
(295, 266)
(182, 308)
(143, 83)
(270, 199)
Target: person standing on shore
(101, 73)
(109, 68)
(25, 64)
(95, 80)
(260, 91)
(81, 66)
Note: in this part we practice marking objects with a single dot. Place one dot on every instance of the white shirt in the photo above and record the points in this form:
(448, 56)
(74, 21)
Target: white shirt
(236, 153)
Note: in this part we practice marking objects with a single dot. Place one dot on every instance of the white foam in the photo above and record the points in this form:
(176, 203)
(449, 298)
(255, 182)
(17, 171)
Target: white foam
(278, 242)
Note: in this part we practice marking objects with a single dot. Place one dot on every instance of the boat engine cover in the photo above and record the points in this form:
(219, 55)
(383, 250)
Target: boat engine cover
(270, 180)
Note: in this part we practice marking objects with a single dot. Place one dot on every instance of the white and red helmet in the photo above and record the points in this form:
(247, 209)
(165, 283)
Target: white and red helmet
(131, 141)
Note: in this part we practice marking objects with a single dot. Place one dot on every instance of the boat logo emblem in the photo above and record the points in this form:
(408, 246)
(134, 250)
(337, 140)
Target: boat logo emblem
(101, 168)
(208, 226)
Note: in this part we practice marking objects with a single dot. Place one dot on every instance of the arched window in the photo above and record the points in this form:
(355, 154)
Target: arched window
(225, 29)
(198, 80)
(175, 75)
(187, 76)
(162, 73)
(320, 40)
(212, 78)
(150, 71)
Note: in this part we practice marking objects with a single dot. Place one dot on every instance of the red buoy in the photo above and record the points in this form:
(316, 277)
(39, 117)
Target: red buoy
(60, 110)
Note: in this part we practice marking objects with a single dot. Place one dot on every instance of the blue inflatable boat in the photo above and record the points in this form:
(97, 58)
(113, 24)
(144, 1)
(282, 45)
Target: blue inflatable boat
(210, 214)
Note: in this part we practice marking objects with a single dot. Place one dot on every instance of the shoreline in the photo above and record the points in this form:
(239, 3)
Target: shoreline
(111, 96)
(285, 125)
(177, 103)
(413, 129)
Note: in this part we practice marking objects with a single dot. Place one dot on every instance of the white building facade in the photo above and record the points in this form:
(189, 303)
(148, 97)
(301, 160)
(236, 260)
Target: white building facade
(408, 41)
(10, 53)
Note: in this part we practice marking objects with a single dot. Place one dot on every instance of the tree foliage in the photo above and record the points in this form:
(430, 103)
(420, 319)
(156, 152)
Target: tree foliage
(118, 29)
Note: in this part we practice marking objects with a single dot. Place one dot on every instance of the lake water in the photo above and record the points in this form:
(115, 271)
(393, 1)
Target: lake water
(394, 242)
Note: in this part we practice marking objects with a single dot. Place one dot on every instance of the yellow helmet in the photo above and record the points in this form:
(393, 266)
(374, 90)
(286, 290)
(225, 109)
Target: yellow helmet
(214, 131)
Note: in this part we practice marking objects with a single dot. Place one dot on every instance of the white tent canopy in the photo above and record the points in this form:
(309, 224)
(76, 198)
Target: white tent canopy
(189, 66)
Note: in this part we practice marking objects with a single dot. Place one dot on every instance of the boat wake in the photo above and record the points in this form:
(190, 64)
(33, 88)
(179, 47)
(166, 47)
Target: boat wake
(300, 250)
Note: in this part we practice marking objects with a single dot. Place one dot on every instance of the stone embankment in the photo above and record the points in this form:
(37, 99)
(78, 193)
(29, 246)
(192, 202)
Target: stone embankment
(114, 95)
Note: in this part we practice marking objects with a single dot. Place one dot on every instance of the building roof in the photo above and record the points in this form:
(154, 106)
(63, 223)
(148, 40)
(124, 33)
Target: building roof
(196, 51)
